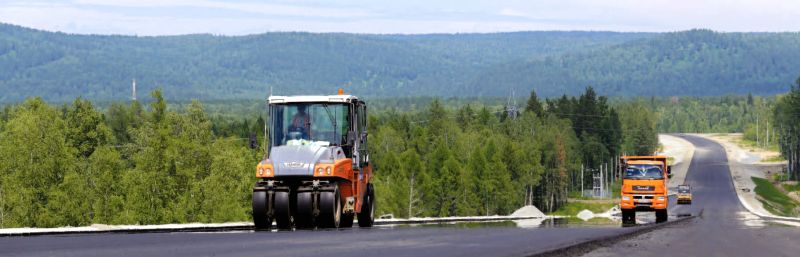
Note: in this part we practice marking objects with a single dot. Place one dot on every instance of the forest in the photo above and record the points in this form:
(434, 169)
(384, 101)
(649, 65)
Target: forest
(787, 122)
(61, 67)
(154, 162)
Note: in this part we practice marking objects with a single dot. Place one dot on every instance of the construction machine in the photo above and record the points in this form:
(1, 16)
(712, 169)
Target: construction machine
(316, 172)
(684, 194)
(644, 186)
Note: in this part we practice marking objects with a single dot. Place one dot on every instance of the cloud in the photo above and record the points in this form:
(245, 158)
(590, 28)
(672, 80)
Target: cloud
(170, 17)
(511, 12)
(254, 7)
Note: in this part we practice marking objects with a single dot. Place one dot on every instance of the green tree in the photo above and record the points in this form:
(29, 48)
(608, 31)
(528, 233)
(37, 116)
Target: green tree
(85, 128)
(34, 158)
(534, 105)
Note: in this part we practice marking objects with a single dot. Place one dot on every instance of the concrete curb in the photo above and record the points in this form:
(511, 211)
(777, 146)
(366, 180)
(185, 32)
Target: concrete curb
(234, 226)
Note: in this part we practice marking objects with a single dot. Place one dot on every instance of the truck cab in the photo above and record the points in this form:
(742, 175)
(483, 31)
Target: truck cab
(644, 186)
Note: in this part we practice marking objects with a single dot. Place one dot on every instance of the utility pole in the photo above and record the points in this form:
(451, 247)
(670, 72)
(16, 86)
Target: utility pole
(511, 106)
(757, 130)
(602, 181)
(581, 179)
(766, 142)
(133, 90)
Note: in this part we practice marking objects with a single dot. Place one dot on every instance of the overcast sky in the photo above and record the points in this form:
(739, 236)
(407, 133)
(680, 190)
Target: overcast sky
(170, 17)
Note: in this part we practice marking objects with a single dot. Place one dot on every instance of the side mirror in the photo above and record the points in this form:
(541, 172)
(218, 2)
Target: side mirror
(669, 175)
(669, 170)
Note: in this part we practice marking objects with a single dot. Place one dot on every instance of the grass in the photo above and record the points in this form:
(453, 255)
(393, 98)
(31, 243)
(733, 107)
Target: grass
(773, 199)
(791, 188)
(777, 158)
(746, 143)
(572, 208)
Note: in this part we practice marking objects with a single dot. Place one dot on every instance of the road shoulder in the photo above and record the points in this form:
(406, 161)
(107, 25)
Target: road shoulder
(682, 152)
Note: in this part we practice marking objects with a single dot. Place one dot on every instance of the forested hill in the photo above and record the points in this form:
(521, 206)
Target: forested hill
(60, 67)
(697, 62)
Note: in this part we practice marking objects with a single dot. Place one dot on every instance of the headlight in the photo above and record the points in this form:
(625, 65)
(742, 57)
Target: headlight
(626, 198)
(328, 170)
(268, 171)
(319, 171)
(260, 171)
(661, 198)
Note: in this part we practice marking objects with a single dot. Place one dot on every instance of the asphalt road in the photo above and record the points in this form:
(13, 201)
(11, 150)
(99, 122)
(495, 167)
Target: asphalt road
(724, 228)
(719, 231)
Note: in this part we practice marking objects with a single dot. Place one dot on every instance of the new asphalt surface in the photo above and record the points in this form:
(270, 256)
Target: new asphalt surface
(721, 229)
(725, 227)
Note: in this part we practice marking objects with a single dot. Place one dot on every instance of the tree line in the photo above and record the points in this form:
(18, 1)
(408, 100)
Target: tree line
(476, 160)
(787, 123)
(152, 163)
(134, 164)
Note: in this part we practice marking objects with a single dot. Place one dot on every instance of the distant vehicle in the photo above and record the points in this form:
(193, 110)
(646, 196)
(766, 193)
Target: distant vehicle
(317, 171)
(644, 186)
(684, 194)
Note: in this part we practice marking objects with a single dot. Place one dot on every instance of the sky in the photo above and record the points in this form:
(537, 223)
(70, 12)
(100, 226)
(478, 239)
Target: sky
(241, 17)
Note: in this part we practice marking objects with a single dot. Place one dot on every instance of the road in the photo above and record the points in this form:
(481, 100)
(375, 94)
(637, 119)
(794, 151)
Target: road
(720, 230)
(724, 228)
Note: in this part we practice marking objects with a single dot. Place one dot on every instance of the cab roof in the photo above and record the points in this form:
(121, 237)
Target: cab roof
(312, 99)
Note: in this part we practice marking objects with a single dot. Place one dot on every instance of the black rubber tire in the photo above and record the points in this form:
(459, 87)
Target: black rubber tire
(304, 211)
(347, 220)
(366, 218)
(261, 220)
(661, 216)
(330, 208)
(628, 217)
(282, 209)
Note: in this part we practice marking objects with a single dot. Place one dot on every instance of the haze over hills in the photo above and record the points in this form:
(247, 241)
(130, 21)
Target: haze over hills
(60, 67)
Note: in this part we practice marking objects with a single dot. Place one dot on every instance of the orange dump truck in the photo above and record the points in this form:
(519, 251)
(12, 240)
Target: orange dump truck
(644, 186)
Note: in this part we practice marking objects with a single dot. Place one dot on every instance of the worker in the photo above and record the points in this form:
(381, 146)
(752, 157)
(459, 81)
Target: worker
(302, 122)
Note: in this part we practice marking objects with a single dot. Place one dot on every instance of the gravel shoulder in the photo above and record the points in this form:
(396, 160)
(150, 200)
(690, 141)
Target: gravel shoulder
(682, 152)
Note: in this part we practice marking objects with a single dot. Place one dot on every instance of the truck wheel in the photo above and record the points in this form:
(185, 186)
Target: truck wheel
(661, 216)
(628, 217)
(366, 218)
(330, 208)
(261, 220)
(282, 209)
(304, 211)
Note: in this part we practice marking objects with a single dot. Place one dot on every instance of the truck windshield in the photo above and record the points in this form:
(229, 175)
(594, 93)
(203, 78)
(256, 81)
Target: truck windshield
(644, 171)
(308, 123)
